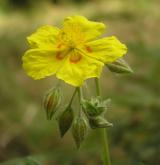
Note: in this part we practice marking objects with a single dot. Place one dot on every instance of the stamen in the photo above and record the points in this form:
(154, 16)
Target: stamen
(59, 56)
(89, 49)
(75, 57)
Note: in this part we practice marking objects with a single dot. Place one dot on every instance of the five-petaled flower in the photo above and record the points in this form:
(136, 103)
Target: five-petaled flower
(71, 53)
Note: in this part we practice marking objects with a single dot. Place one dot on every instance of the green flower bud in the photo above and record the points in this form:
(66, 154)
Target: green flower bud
(79, 130)
(52, 101)
(99, 122)
(95, 106)
(65, 120)
(119, 66)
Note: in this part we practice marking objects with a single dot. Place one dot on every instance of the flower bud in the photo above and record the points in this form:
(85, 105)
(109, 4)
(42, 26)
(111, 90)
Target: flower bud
(51, 102)
(65, 120)
(95, 106)
(119, 66)
(79, 130)
(99, 122)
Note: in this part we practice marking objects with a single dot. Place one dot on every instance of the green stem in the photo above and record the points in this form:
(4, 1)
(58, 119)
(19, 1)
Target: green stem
(98, 92)
(74, 93)
(106, 155)
(103, 131)
(80, 100)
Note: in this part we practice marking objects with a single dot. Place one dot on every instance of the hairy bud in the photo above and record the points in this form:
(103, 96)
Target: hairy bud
(79, 130)
(99, 122)
(95, 106)
(52, 101)
(65, 120)
(119, 66)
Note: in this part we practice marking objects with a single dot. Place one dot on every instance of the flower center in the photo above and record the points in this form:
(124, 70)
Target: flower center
(70, 39)
(70, 51)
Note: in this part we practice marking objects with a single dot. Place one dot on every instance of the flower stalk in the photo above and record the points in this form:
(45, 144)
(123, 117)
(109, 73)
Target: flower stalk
(80, 100)
(103, 132)
(74, 93)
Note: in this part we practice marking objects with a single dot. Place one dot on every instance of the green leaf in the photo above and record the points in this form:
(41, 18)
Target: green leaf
(31, 161)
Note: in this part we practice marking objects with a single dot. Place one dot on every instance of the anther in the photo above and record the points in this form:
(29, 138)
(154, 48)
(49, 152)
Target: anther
(89, 49)
(59, 56)
(75, 58)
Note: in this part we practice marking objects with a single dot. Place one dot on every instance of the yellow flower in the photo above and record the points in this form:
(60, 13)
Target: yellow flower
(71, 53)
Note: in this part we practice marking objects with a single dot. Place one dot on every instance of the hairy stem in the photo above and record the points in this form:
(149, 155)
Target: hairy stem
(74, 93)
(80, 100)
(103, 132)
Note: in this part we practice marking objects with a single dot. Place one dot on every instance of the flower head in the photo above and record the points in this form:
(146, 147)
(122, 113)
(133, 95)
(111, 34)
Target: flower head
(71, 53)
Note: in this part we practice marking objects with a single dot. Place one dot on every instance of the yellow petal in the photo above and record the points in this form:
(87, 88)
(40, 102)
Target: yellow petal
(44, 37)
(90, 29)
(41, 63)
(75, 73)
(106, 50)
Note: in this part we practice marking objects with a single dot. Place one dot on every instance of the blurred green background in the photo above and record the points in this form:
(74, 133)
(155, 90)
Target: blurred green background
(27, 138)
